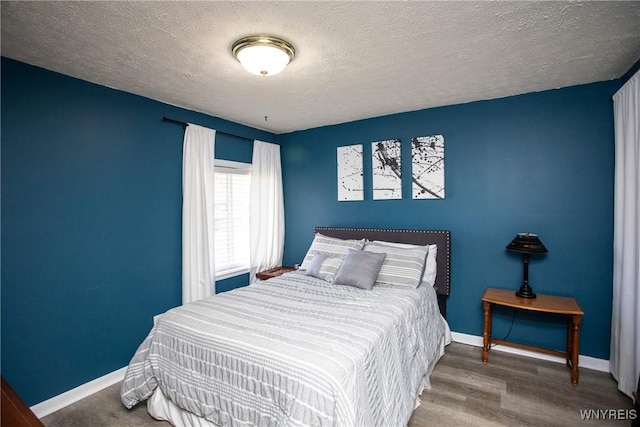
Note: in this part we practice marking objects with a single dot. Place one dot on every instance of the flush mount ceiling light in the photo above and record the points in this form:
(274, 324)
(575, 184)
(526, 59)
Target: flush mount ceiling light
(263, 55)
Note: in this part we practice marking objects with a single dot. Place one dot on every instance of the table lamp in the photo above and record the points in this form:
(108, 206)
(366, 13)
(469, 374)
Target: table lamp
(526, 244)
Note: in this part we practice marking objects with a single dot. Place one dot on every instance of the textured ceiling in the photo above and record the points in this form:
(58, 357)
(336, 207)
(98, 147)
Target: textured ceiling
(354, 59)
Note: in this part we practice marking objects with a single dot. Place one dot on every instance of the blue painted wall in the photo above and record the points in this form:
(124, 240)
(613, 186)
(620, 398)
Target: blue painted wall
(540, 162)
(91, 224)
(91, 201)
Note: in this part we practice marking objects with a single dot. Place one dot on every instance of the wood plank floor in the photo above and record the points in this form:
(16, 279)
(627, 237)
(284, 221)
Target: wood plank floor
(510, 391)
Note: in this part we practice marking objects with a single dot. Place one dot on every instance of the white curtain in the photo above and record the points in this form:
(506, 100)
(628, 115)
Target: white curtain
(625, 323)
(266, 208)
(198, 268)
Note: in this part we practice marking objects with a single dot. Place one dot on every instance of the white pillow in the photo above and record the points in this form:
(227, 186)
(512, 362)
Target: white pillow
(402, 267)
(333, 248)
(431, 267)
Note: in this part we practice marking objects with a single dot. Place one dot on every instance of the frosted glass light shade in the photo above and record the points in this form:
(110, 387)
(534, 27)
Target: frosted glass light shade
(263, 55)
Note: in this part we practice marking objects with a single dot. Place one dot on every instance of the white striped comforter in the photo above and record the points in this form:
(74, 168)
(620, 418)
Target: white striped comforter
(293, 350)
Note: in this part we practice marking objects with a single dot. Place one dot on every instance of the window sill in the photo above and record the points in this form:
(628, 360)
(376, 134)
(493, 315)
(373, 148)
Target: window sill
(231, 273)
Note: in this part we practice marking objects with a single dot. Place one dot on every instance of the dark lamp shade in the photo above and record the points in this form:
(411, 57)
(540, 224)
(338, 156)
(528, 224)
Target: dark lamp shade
(527, 243)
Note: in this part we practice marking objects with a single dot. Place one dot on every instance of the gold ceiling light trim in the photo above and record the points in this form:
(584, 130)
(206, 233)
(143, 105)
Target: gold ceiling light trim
(262, 54)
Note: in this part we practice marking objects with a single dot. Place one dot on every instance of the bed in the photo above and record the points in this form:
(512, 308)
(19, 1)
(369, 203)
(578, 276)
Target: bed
(299, 349)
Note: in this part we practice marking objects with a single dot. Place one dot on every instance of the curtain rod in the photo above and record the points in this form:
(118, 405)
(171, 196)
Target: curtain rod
(185, 124)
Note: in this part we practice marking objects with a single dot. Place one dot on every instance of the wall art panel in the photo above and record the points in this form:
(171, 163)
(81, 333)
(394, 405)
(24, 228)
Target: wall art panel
(350, 183)
(386, 169)
(427, 167)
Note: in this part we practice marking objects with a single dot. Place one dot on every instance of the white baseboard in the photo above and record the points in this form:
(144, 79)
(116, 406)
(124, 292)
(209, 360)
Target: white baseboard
(60, 401)
(67, 398)
(584, 361)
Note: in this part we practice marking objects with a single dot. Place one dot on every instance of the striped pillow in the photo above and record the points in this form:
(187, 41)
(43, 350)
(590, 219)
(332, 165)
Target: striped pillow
(336, 249)
(324, 266)
(402, 267)
(430, 266)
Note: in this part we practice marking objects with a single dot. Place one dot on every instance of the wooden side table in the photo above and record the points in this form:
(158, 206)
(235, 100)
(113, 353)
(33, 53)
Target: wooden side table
(545, 304)
(274, 272)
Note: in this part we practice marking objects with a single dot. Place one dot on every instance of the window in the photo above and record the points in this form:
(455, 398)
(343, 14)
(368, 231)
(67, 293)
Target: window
(232, 186)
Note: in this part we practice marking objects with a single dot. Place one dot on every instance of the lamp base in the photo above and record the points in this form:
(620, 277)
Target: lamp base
(525, 292)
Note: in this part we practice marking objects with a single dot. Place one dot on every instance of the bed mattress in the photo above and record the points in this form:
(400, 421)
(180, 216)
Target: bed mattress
(293, 350)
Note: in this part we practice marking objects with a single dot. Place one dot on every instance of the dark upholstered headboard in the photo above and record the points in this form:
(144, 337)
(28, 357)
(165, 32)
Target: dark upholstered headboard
(442, 238)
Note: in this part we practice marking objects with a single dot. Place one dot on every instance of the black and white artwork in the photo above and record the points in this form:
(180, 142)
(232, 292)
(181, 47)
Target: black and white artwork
(386, 169)
(427, 167)
(350, 182)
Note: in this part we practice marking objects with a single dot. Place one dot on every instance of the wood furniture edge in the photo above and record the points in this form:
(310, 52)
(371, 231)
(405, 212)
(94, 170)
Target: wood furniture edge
(274, 272)
(14, 411)
(533, 304)
(507, 298)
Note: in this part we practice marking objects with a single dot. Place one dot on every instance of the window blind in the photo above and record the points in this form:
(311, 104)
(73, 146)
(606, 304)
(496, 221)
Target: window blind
(232, 186)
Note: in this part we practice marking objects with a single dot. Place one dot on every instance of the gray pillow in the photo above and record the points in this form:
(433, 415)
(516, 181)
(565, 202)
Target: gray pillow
(360, 269)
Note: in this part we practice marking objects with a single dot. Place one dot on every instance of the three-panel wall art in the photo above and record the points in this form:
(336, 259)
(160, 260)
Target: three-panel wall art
(427, 169)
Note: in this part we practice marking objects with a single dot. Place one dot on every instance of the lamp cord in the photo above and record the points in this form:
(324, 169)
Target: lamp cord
(513, 318)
